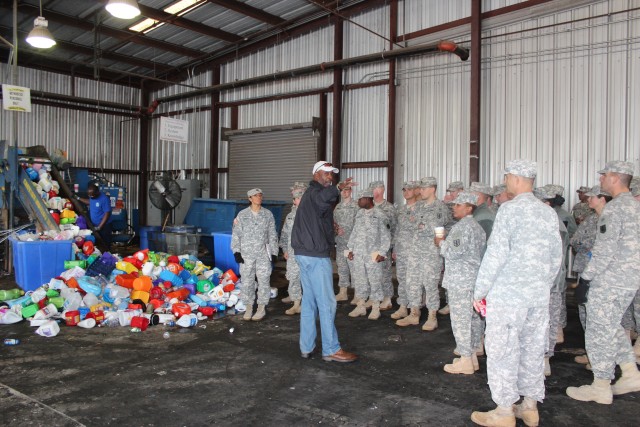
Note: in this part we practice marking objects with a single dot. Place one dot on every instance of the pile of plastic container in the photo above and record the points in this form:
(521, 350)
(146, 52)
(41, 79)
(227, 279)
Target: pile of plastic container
(105, 290)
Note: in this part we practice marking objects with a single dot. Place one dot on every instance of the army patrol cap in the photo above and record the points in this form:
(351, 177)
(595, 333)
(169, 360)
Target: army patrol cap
(596, 190)
(499, 189)
(376, 184)
(466, 197)
(365, 193)
(522, 167)
(556, 189)
(428, 181)
(618, 166)
(479, 187)
(298, 192)
(254, 191)
(544, 193)
(455, 185)
(409, 185)
(582, 189)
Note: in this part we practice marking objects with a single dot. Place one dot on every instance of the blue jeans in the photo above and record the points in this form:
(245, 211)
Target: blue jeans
(318, 300)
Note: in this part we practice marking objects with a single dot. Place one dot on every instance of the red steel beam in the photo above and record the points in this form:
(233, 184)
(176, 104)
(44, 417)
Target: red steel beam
(391, 120)
(474, 113)
(336, 141)
(215, 136)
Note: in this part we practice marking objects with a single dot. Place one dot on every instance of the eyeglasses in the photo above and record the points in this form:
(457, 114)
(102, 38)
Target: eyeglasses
(407, 189)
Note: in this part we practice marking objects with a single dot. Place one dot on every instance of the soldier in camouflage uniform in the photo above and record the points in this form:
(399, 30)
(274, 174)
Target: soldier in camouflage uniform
(401, 244)
(518, 269)
(377, 187)
(369, 243)
(559, 284)
(293, 270)
(462, 251)
(581, 210)
(424, 262)
(500, 196)
(453, 189)
(635, 192)
(483, 214)
(614, 273)
(254, 244)
(344, 216)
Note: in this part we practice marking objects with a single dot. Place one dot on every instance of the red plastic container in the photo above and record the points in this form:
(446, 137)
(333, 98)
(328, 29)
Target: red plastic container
(207, 311)
(72, 317)
(126, 280)
(180, 309)
(140, 322)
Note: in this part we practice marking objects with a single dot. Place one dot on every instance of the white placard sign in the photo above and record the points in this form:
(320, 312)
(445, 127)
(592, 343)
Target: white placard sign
(16, 98)
(174, 130)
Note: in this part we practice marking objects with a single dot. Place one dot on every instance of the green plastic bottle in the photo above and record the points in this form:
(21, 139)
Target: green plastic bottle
(30, 310)
(71, 264)
(10, 294)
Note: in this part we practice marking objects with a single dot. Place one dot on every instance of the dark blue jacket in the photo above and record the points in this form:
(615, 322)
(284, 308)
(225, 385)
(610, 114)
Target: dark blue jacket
(312, 233)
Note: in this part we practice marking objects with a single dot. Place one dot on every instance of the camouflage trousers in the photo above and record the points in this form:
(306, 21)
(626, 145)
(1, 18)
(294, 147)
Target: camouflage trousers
(368, 277)
(293, 276)
(401, 275)
(515, 343)
(387, 275)
(605, 340)
(251, 269)
(582, 314)
(465, 322)
(555, 320)
(345, 267)
(423, 276)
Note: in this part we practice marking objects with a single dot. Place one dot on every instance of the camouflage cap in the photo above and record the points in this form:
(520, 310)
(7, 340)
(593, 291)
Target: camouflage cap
(253, 192)
(499, 189)
(582, 189)
(522, 167)
(344, 185)
(558, 190)
(466, 197)
(479, 187)
(455, 185)
(299, 184)
(376, 184)
(618, 166)
(365, 193)
(427, 181)
(410, 185)
(298, 192)
(544, 193)
(596, 190)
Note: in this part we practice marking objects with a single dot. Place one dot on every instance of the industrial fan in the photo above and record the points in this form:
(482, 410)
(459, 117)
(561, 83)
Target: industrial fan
(165, 194)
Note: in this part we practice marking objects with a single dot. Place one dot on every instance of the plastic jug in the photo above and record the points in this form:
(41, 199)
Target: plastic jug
(187, 320)
(196, 299)
(90, 299)
(168, 276)
(72, 317)
(142, 283)
(204, 286)
(72, 302)
(216, 292)
(57, 301)
(126, 267)
(46, 312)
(8, 317)
(87, 323)
(89, 284)
(126, 280)
(125, 316)
(48, 329)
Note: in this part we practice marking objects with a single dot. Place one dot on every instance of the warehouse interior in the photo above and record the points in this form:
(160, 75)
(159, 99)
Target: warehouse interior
(389, 90)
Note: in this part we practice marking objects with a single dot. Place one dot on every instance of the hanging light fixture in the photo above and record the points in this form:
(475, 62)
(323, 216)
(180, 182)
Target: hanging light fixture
(123, 9)
(40, 36)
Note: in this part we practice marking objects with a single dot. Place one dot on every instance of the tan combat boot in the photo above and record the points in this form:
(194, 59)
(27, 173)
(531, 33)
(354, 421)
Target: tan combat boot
(560, 336)
(583, 359)
(499, 417)
(342, 295)
(286, 300)
(260, 313)
(474, 362)
(386, 304)
(412, 319)
(354, 301)
(368, 304)
(432, 322)
(599, 392)
(402, 312)
(527, 411)
(375, 311)
(547, 367)
(293, 310)
(629, 381)
(462, 365)
(248, 313)
(360, 310)
(444, 310)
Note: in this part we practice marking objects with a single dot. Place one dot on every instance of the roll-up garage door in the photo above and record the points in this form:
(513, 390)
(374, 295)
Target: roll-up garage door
(271, 158)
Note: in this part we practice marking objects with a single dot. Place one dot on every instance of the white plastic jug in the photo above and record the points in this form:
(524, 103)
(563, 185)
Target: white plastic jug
(49, 329)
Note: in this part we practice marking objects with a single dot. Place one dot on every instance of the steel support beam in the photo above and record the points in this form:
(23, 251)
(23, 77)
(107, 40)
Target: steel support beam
(336, 141)
(391, 120)
(474, 113)
(215, 136)
(145, 123)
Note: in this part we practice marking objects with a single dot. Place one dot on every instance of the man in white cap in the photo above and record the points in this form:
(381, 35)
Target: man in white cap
(614, 276)
(254, 244)
(312, 239)
(518, 269)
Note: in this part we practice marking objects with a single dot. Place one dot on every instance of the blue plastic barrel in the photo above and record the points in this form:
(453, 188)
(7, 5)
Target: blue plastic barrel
(144, 235)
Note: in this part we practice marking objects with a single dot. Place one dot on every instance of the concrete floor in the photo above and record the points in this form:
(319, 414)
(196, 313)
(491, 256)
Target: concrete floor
(255, 376)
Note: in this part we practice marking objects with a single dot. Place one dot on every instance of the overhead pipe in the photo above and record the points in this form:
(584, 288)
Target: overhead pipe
(86, 101)
(443, 46)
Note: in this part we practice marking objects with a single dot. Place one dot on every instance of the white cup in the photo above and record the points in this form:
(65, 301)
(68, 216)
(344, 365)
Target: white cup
(439, 231)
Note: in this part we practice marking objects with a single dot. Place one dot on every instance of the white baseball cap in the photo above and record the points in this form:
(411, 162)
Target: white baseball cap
(323, 165)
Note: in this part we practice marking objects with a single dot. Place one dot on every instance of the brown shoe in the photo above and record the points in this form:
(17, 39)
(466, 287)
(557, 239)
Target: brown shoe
(341, 356)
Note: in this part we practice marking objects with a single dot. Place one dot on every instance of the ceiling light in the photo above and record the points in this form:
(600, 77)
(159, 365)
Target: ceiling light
(40, 36)
(123, 9)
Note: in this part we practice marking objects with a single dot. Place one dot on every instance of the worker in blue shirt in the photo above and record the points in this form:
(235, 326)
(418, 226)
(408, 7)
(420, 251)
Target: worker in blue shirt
(100, 213)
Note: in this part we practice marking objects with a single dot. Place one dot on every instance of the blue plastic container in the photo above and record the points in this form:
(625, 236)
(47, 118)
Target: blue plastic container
(224, 259)
(144, 235)
(35, 263)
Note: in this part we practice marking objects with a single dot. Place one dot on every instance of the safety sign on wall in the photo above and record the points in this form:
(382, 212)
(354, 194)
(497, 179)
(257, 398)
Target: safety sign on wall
(174, 130)
(16, 98)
